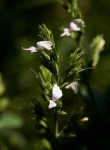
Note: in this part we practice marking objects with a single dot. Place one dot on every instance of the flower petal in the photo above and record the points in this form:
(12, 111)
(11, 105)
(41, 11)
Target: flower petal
(56, 92)
(74, 27)
(52, 104)
(77, 25)
(32, 49)
(66, 32)
(44, 44)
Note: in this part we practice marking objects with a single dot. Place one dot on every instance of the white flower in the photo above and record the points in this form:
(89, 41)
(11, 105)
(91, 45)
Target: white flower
(56, 92)
(44, 44)
(66, 32)
(79, 22)
(75, 25)
(74, 86)
(40, 46)
(56, 95)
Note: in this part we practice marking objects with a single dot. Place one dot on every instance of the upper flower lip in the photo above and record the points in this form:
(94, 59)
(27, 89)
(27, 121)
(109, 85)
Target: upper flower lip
(44, 44)
(40, 46)
(74, 27)
(56, 92)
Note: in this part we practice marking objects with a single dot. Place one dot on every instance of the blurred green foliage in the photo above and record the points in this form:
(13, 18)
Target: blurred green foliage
(19, 22)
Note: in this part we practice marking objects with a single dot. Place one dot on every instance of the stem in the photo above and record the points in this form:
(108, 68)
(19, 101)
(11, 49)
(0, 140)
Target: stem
(56, 125)
(54, 142)
(93, 99)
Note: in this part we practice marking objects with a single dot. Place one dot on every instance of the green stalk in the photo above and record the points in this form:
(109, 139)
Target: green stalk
(56, 125)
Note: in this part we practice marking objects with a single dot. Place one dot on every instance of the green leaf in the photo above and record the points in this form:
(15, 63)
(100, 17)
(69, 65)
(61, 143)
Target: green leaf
(62, 113)
(46, 80)
(72, 8)
(39, 118)
(74, 124)
(74, 66)
(49, 63)
(46, 34)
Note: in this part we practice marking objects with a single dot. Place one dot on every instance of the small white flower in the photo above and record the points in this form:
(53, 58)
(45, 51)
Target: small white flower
(44, 45)
(39, 46)
(74, 86)
(56, 95)
(75, 25)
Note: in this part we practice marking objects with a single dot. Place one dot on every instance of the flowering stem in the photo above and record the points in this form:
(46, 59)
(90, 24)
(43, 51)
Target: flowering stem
(56, 125)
